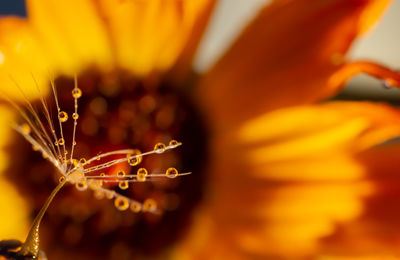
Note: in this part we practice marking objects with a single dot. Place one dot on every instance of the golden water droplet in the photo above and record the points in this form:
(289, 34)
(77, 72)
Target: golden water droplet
(173, 143)
(75, 162)
(61, 141)
(136, 159)
(95, 184)
(82, 161)
(98, 194)
(149, 205)
(133, 161)
(121, 173)
(142, 171)
(121, 203)
(63, 116)
(135, 206)
(66, 152)
(74, 143)
(35, 148)
(61, 179)
(76, 93)
(141, 177)
(109, 194)
(25, 129)
(45, 156)
(81, 185)
(141, 174)
(171, 172)
(102, 174)
(159, 148)
(75, 116)
(56, 143)
(123, 185)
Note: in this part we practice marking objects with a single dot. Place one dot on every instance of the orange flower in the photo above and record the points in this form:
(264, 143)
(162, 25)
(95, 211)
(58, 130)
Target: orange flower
(287, 177)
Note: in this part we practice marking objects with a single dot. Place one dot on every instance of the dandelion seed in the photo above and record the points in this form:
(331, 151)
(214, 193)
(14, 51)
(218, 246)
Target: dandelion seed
(44, 137)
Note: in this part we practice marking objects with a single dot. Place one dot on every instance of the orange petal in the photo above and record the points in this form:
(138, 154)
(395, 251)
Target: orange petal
(284, 57)
(311, 131)
(72, 32)
(149, 35)
(23, 59)
(294, 176)
(348, 70)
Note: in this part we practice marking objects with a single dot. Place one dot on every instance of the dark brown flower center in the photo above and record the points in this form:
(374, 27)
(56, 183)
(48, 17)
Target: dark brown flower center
(117, 112)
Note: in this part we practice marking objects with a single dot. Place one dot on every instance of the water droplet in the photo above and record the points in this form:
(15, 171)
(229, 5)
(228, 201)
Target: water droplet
(109, 194)
(121, 173)
(56, 143)
(75, 116)
(149, 205)
(389, 83)
(135, 206)
(171, 172)
(76, 93)
(35, 148)
(75, 162)
(81, 185)
(159, 148)
(98, 194)
(123, 185)
(95, 184)
(25, 129)
(61, 141)
(121, 203)
(82, 161)
(63, 116)
(61, 179)
(134, 157)
(141, 174)
(173, 143)
(102, 174)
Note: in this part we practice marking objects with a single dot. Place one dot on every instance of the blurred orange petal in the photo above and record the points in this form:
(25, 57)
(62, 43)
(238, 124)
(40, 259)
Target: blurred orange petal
(285, 57)
(295, 181)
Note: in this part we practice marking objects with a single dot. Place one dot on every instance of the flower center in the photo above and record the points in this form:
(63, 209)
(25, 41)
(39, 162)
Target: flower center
(118, 112)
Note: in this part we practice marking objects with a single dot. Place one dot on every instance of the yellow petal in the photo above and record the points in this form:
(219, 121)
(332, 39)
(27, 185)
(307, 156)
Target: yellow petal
(285, 57)
(72, 32)
(14, 217)
(23, 60)
(149, 35)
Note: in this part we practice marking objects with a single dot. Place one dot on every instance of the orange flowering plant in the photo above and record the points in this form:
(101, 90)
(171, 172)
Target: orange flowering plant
(278, 172)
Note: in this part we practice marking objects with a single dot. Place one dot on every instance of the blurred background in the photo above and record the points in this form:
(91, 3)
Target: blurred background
(230, 16)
